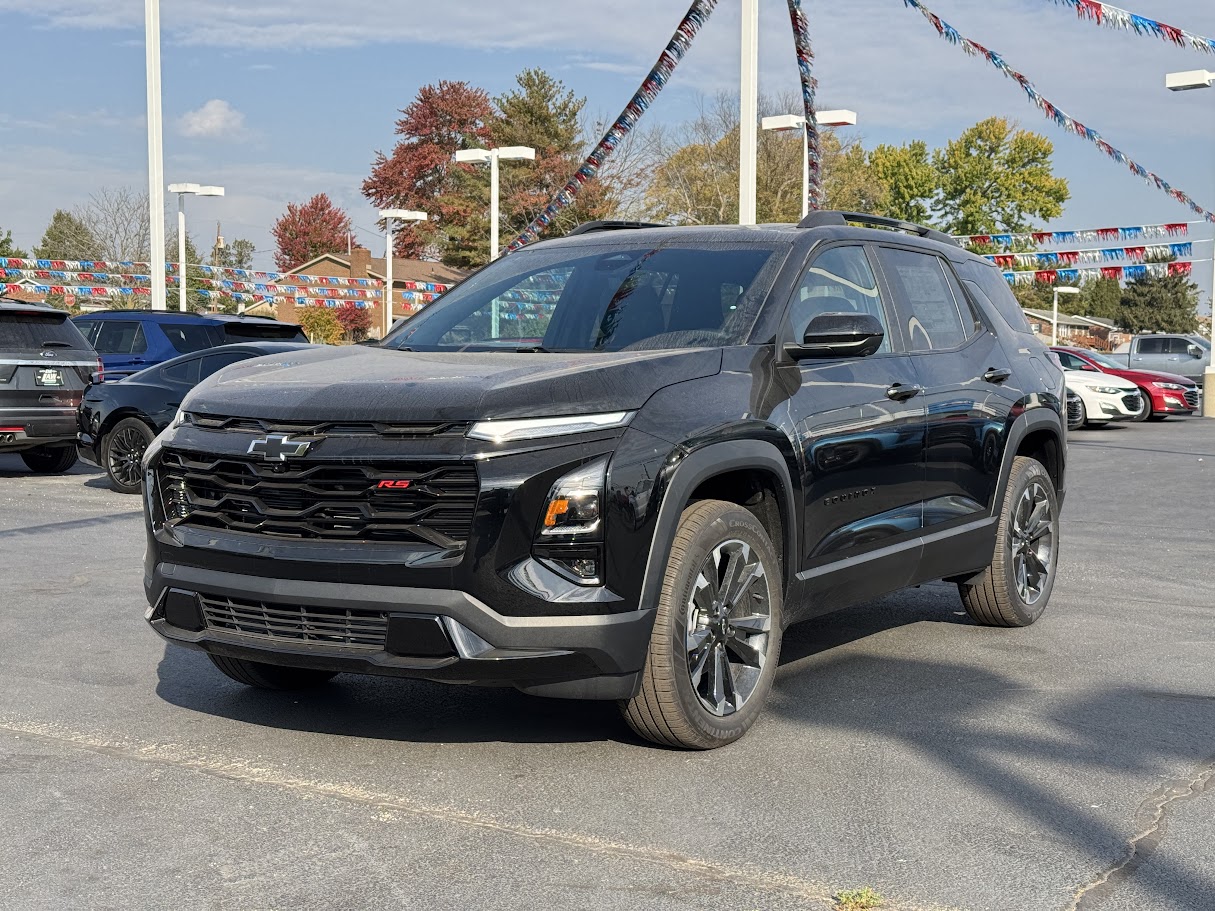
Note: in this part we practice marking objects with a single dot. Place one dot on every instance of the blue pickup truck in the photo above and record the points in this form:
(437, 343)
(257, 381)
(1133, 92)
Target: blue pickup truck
(1188, 355)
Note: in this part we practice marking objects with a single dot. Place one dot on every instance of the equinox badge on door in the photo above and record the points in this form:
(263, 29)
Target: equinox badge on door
(278, 447)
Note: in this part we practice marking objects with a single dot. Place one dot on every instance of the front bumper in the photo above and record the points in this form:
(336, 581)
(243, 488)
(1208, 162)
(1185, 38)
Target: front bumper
(88, 449)
(583, 656)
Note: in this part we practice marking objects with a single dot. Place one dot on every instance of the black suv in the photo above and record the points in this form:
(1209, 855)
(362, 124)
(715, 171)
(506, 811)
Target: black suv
(617, 465)
(45, 363)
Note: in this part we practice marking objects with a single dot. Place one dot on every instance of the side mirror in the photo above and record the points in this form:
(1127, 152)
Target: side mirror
(1195, 351)
(839, 335)
(96, 377)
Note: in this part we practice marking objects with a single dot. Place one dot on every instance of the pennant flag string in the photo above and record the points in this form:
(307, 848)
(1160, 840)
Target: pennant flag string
(805, 69)
(1113, 17)
(1066, 121)
(1118, 273)
(1088, 235)
(1109, 254)
(698, 13)
(81, 290)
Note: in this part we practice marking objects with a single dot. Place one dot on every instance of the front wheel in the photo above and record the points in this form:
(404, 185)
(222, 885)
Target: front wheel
(49, 459)
(270, 676)
(122, 454)
(1014, 589)
(717, 632)
(1145, 410)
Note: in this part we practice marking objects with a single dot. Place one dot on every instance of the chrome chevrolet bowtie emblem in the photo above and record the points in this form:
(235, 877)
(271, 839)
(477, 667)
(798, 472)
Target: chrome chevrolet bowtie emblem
(278, 447)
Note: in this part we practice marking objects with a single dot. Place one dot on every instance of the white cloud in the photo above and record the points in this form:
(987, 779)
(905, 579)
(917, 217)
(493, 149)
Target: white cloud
(214, 120)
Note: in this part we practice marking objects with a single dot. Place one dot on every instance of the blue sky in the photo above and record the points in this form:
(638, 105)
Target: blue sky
(278, 101)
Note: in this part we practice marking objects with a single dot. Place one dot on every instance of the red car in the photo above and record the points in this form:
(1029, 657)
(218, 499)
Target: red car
(1163, 393)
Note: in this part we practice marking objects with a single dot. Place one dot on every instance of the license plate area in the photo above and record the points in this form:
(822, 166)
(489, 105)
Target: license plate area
(48, 376)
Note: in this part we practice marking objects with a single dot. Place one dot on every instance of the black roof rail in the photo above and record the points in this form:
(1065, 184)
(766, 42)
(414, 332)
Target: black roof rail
(590, 227)
(824, 218)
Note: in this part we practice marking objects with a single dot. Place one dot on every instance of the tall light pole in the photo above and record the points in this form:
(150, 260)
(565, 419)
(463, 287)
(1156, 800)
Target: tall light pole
(748, 134)
(391, 216)
(1184, 82)
(492, 157)
(183, 190)
(784, 122)
(1054, 326)
(156, 165)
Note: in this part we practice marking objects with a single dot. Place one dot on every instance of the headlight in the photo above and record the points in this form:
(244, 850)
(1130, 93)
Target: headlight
(1176, 387)
(573, 506)
(182, 417)
(537, 428)
(1110, 390)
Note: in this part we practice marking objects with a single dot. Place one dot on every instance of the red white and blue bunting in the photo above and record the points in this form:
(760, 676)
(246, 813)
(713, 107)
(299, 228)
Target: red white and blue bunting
(698, 13)
(1118, 273)
(805, 69)
(1069, 123)
(80, 290)
(1113, 17)
(1087, 236)
(1052, 258)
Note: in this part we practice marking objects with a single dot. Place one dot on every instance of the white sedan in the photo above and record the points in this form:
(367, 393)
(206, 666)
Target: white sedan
(1104, 397)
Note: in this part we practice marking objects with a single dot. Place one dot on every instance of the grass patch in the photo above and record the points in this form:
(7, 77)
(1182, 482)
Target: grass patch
(858, 899)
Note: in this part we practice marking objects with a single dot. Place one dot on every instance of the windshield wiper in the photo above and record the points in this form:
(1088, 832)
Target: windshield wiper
(533, 349)
(56, 344)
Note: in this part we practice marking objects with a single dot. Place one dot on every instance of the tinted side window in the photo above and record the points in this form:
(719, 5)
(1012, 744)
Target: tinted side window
(90, 329)
(1176, 346)
(991, 282)
(120, 337)
(930, 313)
(187, 338)
(1071, 362)
(216, 362)
(838, 281)
(186, 372)
(1151, 346)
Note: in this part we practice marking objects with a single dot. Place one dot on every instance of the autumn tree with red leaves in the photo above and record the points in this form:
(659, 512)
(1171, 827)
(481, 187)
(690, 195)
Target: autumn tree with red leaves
(444, 119)
(354, 320)
(421, 174)
(309, 230)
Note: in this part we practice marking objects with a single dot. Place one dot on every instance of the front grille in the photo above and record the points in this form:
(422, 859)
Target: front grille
(1191, 396)
(331, 428)
(300, 499)
(289, 623)
(1075, 409)
(1132, 402)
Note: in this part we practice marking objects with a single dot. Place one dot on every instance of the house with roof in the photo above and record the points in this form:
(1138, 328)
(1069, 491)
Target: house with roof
(1085, 331)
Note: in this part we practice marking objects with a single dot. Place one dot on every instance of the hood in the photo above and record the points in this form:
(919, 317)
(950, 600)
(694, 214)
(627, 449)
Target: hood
(1154, 376)
(374, 384)
(1090, 379)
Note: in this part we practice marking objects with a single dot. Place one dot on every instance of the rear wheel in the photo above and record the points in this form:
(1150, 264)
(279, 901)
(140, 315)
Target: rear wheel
(49, 459)
(122, 454)
(717, 633)
(270, 676)
(1145, 411)
(1015, 588)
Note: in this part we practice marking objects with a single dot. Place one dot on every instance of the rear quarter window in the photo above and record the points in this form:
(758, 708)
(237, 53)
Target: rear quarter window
(187, 338)
(990, 281)
(32, 331)
(279, 332)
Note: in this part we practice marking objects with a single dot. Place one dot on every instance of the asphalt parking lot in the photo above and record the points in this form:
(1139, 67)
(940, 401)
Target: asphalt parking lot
(1066, 766)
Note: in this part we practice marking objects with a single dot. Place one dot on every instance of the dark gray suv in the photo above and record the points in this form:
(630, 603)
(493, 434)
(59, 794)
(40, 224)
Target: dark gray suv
(45, 364)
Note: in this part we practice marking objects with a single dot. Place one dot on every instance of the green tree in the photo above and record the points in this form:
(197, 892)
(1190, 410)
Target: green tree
(1101, 298)
(1159, 303)
(909, 180)
(8, 248)
(320, 324)
(235, 255)
(995, 178)
(66, 237)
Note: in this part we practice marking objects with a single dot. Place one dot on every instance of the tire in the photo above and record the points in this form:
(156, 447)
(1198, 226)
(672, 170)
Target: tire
(673, 706)
(49, 459)
(122, 454)
(270, 676)
(1146, 411)
(998, 597)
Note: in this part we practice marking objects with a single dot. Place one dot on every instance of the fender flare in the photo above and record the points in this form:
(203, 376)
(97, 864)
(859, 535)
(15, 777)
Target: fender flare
(1030, 420)
(698, 466)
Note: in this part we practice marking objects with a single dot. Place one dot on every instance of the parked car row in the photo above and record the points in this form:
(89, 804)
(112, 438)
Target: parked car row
(50, 364)
(1110, 391)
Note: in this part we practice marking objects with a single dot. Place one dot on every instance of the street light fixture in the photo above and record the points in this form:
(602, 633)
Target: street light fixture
(183, 190)
(390, 216)
(492, 157)
(784, 122)
(1054, 327)
(1184, 82)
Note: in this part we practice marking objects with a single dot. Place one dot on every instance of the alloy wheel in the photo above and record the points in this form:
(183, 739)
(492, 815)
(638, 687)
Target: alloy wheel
(126, 456)
(1032, 540)
(728, 624)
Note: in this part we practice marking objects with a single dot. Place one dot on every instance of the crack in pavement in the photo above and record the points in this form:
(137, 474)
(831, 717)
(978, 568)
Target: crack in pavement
(176, 757)
(1152, 817)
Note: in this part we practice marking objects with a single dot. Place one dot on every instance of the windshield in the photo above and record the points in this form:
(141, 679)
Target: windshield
(25, 331)
(1200, 342)
(1103, 360)
(603, 297)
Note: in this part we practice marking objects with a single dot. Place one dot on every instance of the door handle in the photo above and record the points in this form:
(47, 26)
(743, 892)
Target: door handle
(900, 392)
(996, 374)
